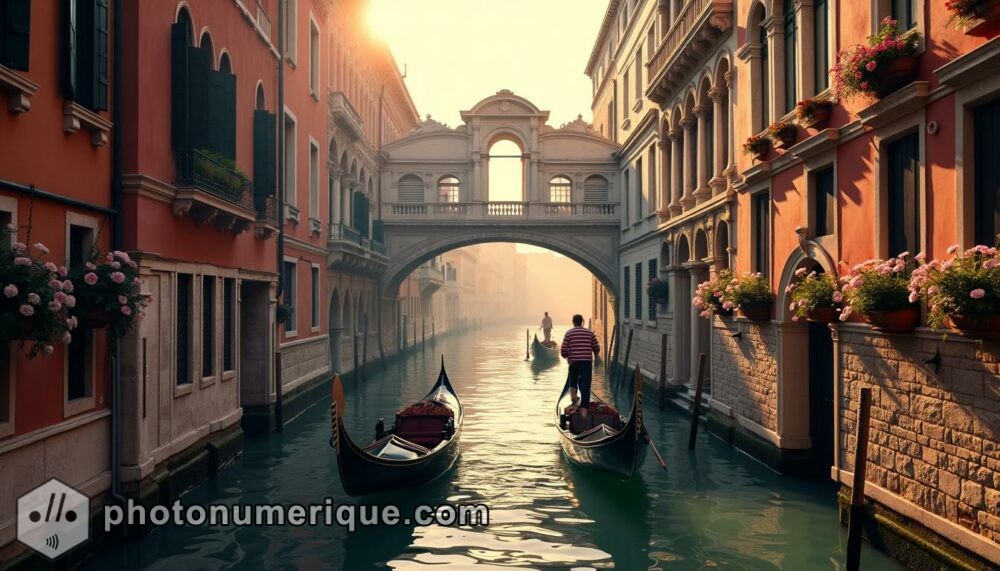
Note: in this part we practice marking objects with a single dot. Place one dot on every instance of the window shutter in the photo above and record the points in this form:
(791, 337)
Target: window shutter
(179, 86)
(100, 75)
(199, 99)
(15, 27)
(595, 189)
(70, 30)
(229, 133)
(411, 189)
(378, 231)
(264, 152)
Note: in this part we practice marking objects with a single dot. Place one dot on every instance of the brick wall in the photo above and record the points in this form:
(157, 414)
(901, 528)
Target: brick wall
(744, 370)
(933, 435)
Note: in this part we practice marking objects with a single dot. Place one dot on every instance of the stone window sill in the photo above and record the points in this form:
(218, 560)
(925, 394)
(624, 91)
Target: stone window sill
(896, 105)
(207, 381)
(76, 117)
(292, 213)
(228, 375)
(19, 90)
(181, 390)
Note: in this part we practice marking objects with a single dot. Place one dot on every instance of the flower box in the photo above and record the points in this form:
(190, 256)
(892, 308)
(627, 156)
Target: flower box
(885, 64)
(757, 313)
(812, 113)
(895, 75)
(758, 146)
(783, 134)
(894, 321)
(823, 315)
(985, 327)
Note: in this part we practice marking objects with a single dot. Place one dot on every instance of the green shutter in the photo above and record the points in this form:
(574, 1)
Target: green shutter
(15, 33)
(221, 113)
(70, 28)
(378, 231)
(100, 63)
(179, 86)
(229, 110)
(199, 99)
(264, 155)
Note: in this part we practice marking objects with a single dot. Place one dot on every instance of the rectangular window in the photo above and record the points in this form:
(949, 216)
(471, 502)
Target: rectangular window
(613, 127)
(207, 326)
(313, 59)
(638, 74)
(290, 162)
(15, 33)
(904, 14)
(228, 323)
(625, 97)
(791, 56)
(79, 366)
(183, 319)
(986, 176)
(626, 192)
(289, 282)
(291, 28)
(904, 205)
(825, 201)
(626, 288)
(821, 49)
(653, 197)
(313, 180)
(638, 290)
(650, 44)
(653, 272)
(314, 282)
(85, 62)
(639, 194)
(762, 232)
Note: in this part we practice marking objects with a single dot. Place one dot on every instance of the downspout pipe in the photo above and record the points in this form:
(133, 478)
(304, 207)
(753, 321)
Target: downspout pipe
(117, 240)
(280, 290)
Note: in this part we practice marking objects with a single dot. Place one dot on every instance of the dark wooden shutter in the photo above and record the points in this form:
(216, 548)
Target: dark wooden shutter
(904, 181)
(100, 63)
(199, 98)
(986, 140)
(264, 156)
(229, 116)
(216, 112)
(70, 38)
(15, 29)
(378, 231)
(179, 86)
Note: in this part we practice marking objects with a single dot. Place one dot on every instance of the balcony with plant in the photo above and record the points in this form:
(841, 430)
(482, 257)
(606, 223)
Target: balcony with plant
(211, 187)
(961, 293)
(758, 146)
(783, 133)
(813, 112)
(885, 64)
(658, 290)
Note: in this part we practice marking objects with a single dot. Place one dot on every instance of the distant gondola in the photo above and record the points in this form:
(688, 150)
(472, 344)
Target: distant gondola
(420, 446)
(603, 440)
(542, 352)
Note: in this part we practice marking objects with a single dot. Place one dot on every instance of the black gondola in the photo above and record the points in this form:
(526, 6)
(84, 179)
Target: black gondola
(603, 440)
(420, 446)
(542, 352)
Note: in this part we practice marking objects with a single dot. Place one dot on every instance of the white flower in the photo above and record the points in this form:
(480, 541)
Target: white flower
(10, 290)
(33, 298)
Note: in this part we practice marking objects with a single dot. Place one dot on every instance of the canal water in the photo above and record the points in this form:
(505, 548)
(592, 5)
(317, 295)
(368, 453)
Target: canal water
(714, 508)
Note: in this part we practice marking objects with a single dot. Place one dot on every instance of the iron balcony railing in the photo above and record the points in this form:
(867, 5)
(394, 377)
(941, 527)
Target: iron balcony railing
(379, 248)
(267, 210)
(345, 233)
(197, 169)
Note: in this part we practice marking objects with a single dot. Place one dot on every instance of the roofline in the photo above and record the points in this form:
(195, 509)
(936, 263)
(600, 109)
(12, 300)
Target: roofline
(609, 18)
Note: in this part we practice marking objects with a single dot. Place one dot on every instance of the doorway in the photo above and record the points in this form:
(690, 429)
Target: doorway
(821, 397)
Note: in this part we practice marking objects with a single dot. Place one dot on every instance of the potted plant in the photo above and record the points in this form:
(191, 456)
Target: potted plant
(33, 304)
(108, 291)
(752, 296)
(711, 297)
(813, 112)
(815, 297)
(783, 134)
(758, 146)
(885, 64)
(969, 14)
(962, 293)
(221, 172)
(284, 313)
(879, 290)
(658, 289)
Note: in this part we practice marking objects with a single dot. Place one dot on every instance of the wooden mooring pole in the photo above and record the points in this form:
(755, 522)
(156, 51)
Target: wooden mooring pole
(612, 359)
(279, 416)
(663, 370)
(628, 351)
(696, 405)
(527, 344)
(857, 509)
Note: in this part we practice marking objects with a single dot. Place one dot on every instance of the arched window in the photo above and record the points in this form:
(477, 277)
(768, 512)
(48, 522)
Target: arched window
(560, 189)
(506, 172)
(764, 74)
(259, 101)
(791, 54)
(184, 18)
(448, 189)
(206, 43)
(595, 189)
(225, 64)
(411, 189)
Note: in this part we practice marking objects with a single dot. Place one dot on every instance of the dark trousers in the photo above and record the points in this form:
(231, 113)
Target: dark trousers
(580, 374)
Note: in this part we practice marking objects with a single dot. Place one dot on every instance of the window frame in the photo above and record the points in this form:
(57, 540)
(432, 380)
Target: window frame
(230, 327)
(973, 90)
(446, 190)
(314, 161)
(291, 157)
(316, 299)
(86, 402)
(291, 294)
(8, 205)
(183, 387)
(637, 292)
(652, 271)
(315, 51)
(559, 187)
(291, 31)
(920, 214)
(761, 244)
(914, 123)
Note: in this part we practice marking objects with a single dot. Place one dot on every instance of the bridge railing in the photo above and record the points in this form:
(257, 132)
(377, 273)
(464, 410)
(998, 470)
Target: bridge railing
(502, 210)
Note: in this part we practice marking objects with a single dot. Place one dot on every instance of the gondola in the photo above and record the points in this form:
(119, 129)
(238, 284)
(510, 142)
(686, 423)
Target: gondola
(421, 445)
(603, 440)
(542, 352)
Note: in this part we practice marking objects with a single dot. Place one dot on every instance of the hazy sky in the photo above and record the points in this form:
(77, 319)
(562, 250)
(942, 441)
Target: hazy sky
(457, 52)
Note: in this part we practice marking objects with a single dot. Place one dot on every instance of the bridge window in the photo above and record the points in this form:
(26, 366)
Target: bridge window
(506, 172)
(411, 189)
(560, 189)
(448, 189)
(595, 189)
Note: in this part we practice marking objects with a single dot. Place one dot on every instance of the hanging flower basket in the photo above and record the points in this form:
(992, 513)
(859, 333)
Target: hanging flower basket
(713, 296)
(812, 113)
(109, 292)
(895, 75)
(894, 321)
(986, 327)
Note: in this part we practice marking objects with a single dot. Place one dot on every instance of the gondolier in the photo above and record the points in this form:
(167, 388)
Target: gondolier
(579, 347)
(547, 327)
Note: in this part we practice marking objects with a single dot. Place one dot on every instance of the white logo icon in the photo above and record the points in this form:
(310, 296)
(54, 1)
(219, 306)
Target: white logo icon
(53, 518)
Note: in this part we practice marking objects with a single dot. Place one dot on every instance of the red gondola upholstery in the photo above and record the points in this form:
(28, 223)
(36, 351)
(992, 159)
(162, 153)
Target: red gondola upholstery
(423, 423)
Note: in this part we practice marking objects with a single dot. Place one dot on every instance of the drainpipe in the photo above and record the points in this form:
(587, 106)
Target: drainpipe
(280, 291)
(116, 241)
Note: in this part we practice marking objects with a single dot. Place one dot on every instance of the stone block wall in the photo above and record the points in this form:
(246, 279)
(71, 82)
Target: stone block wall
(646, 346)
(745, 369)
(305, 360)
(934, 435)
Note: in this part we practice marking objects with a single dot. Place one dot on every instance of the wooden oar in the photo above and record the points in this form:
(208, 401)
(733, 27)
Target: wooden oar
(656, 452)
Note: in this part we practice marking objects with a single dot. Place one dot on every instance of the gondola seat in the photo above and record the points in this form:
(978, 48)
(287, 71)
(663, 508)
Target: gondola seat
(395, 448)
(597, 415)
(423, 423)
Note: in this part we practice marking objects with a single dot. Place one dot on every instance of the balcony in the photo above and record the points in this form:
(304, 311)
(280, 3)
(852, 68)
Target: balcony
(693, 33)
(428, 279)
(266, 224)
(343, 114)
(528, 212)
(349, 251)
(211, 191)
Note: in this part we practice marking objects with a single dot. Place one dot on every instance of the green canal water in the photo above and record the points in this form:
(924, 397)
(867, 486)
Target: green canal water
(715, 508)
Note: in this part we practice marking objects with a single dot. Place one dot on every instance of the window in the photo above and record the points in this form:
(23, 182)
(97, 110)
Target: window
(625, 97)
(825, 202)
(291, 28)
(903, 182)
(314, 285)
(762, 232)
(448, 189)
(207, 326)
(183, 319)
(560, 189)
(791, 55)
(652, 269)
(986, 176)
(612, 127)
(638, 74)
(595, 189)
(903, 12)
(626, 193)
(650, 44)
(626, 288)
(79, 361)
(15, 33)
(288, 284)
(6, 390)
(411, 189)
(639, 195)
(765, 77)
(313, 58)
(313, 179)
(638, 291)
(821, 49)
(228, 323)
(506, 171)
(85, 64)
(290, 162)
(651, 161)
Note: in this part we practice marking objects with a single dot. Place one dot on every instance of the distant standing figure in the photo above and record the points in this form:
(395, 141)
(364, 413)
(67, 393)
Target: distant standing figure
(579, 347)
(547, 327)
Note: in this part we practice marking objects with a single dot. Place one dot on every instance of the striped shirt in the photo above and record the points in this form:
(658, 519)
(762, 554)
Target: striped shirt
(579, 344)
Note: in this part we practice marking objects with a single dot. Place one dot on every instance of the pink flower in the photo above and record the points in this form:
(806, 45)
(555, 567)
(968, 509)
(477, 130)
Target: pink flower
(837, 297)
(22, 261)
(110, 258)
(55, 305)
(791, 307)
(913, 297)
(118, 277)
(90, 266)
(49, 349)
(55, 284)
(26, 310)
(40, 247)
(122, 299)
(71, 322)
(90, 278)
(51, 267)
(20, 247)
(870, 66)
(115, 265)
(865, 85)
(126, 310)
(139, 316)
(977, 293)
(137, 281)
(33, 298)
(67, 338)
(990, 264)
(70, 301)
(67, 286)
(953, 248)
(845, 313)
(61, 297)
(10, 290)
(920, 257)
(63, 271)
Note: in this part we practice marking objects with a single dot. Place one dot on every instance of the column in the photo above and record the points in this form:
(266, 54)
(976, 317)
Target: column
(731, 135)
(335, 198)
(680, 301)
(699, 325)
(776, 57)
(702, 192)
(477, 180)
(719, 125)
(663, 184)
(690, 178)
(663, 13)
(676, 172)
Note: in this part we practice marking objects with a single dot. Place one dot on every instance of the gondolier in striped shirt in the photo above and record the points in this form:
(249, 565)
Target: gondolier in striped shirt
(579, 347)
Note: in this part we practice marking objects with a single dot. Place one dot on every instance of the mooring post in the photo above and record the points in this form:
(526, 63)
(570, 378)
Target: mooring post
(663, 370)
(857, 509)
(628, 352)
(696, 405)
(613, 354)
(527, 344)
(279, 417)
(357, 367)
(364, 351)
